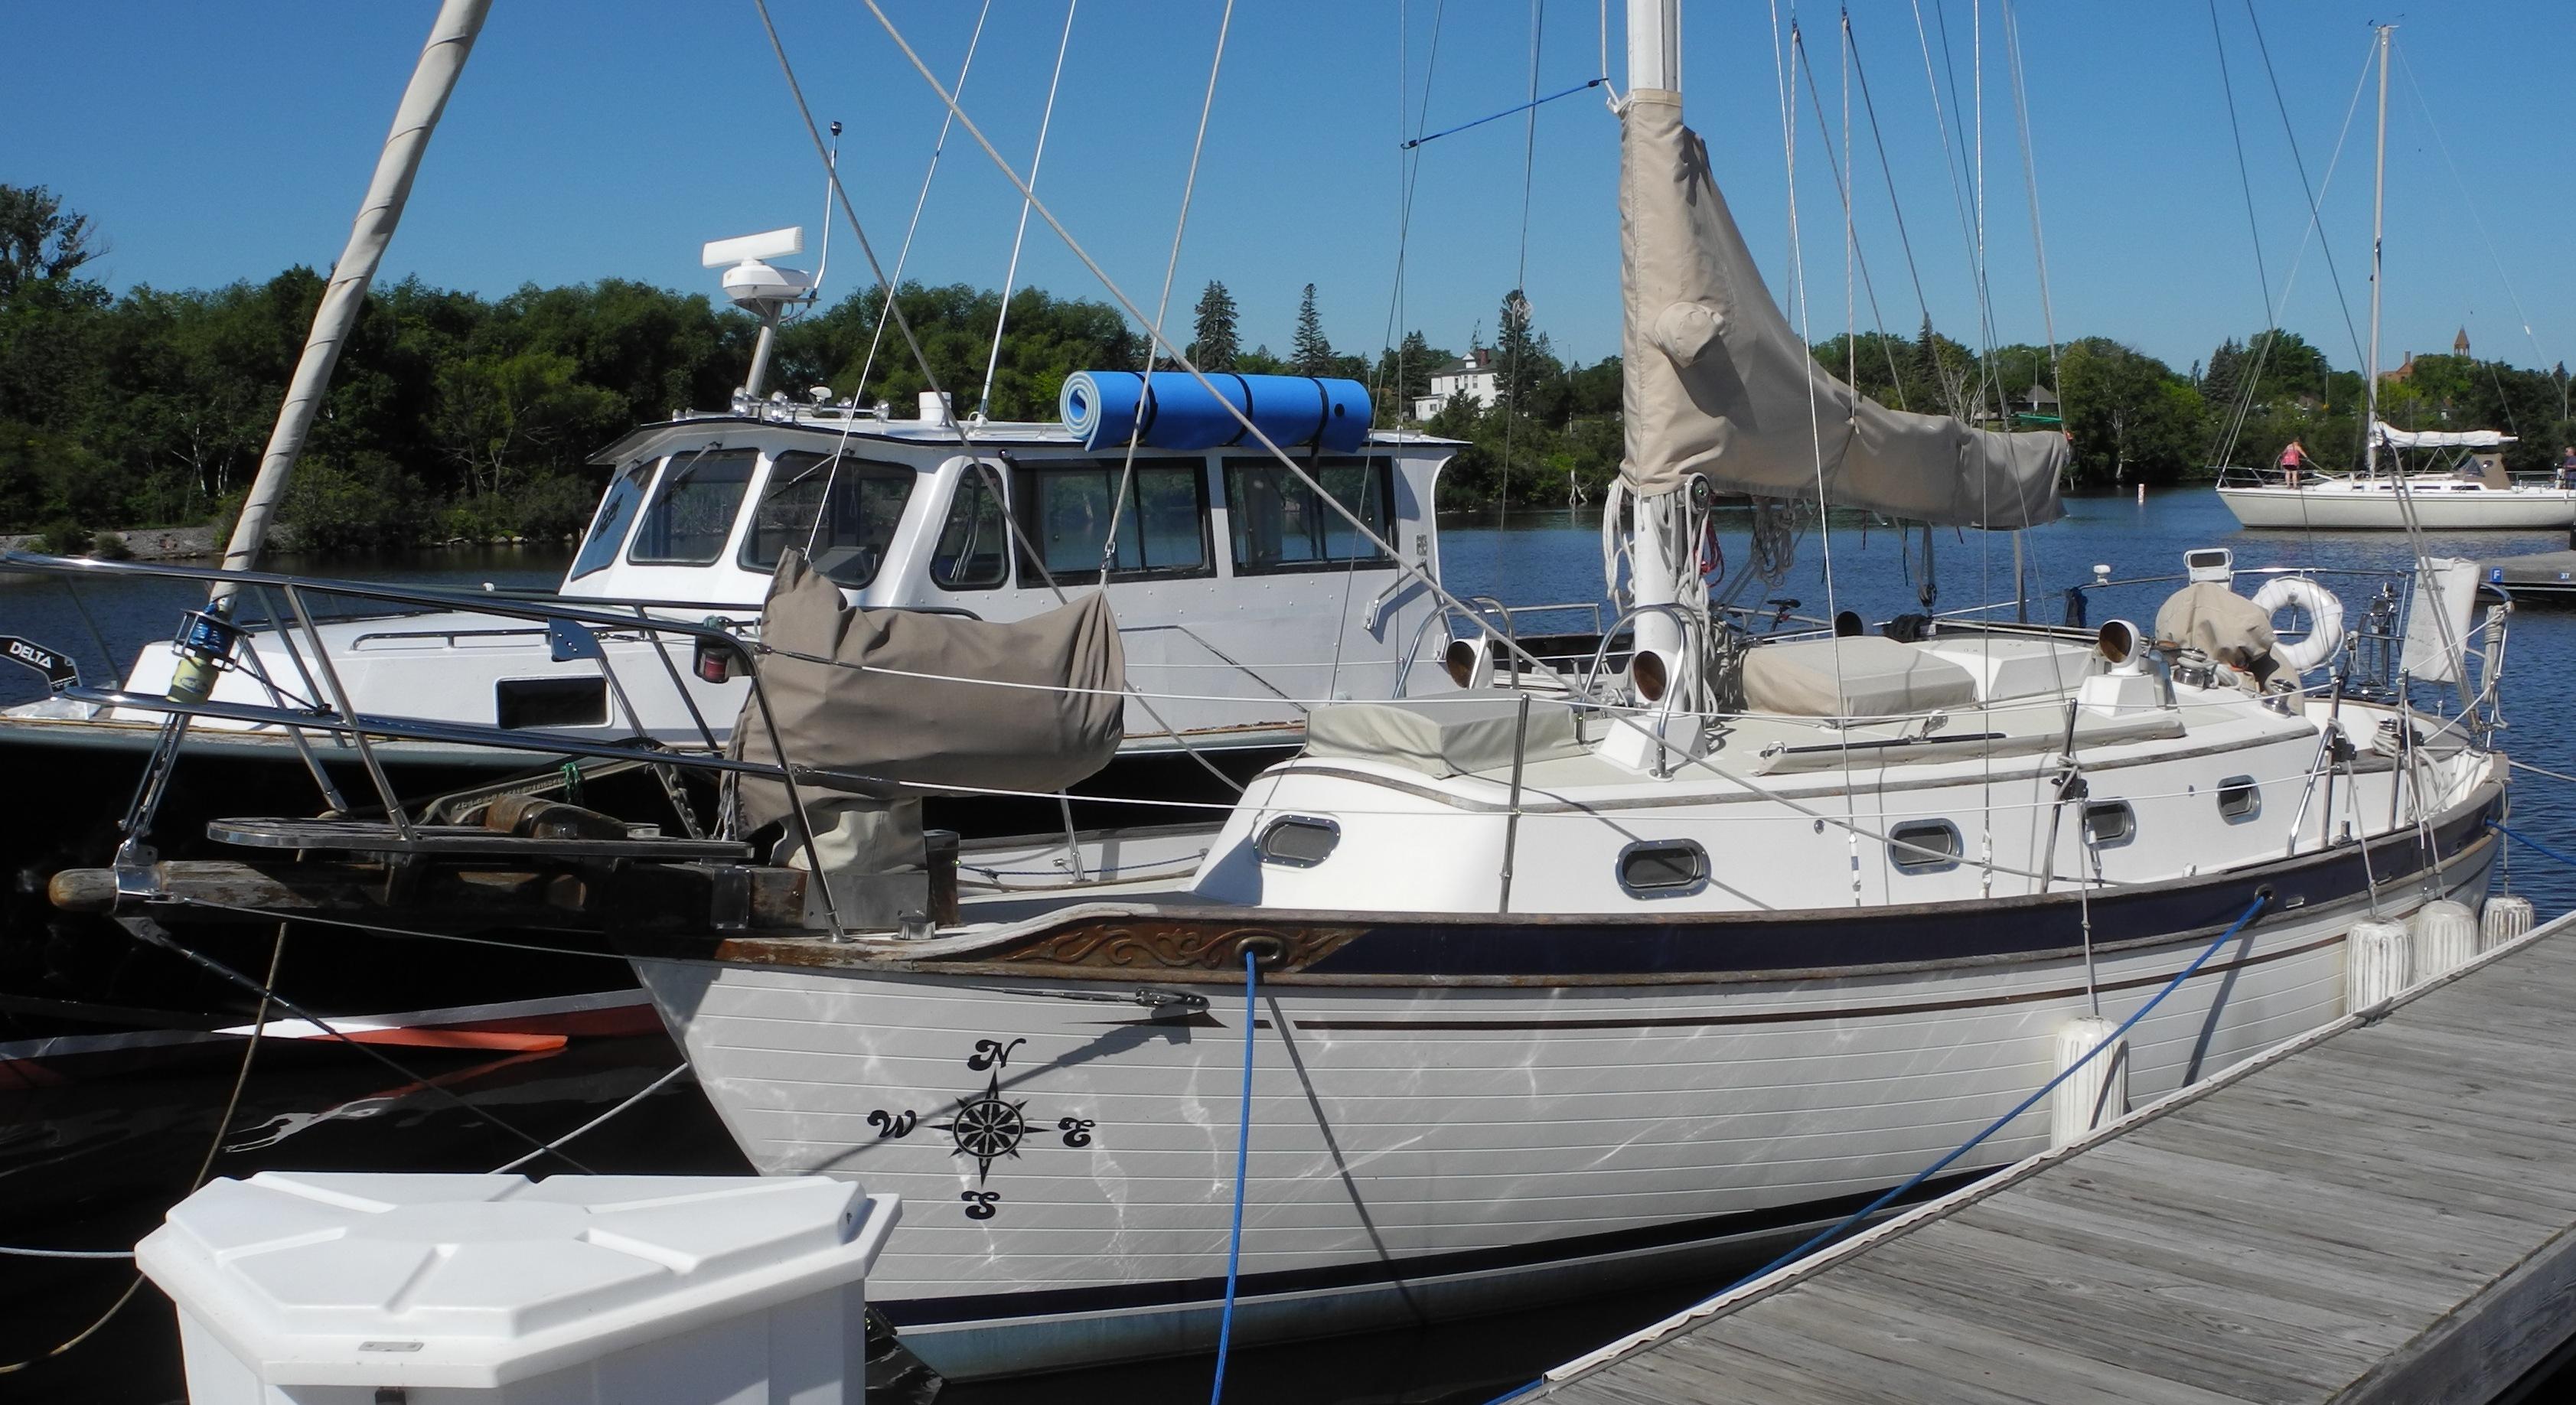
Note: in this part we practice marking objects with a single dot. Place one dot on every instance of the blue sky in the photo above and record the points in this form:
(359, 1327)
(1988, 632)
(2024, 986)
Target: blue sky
(612, 139)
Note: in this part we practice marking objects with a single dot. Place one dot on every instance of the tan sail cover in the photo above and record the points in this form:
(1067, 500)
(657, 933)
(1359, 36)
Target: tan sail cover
(896, 727)
(1717, 383)
(2219, 622)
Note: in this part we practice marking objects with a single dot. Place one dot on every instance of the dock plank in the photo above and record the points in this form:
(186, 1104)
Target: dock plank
(2386, 1214)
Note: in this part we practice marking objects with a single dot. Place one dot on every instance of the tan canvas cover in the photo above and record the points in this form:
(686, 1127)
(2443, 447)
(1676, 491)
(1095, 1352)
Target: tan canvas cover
(1446, 735)
(1717, 383)
(894, 727)
(1864, 675)
(2220, 623)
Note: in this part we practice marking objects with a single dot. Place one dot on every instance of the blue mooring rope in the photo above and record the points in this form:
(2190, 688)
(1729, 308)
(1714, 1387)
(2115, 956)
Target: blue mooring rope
(1836, 1231)
(1506, 112)
(2521, 838)
(1242, 1166)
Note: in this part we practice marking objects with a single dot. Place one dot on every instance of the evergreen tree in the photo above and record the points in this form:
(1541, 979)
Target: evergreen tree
(1522, 363)
(1310, 354)
(1214, 345)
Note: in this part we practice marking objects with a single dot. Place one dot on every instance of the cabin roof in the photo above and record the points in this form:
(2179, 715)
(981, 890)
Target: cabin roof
(837, 424)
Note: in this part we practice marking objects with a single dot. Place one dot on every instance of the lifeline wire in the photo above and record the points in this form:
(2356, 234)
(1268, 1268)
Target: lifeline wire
(1858, 1216)
(1242, 1168)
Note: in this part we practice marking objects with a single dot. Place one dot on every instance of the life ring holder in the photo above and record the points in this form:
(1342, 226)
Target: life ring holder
(2323, 607)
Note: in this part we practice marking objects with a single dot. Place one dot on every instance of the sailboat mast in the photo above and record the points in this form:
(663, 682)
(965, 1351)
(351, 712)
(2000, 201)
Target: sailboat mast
(1654, 545)
(442, 58)
(2378, 216)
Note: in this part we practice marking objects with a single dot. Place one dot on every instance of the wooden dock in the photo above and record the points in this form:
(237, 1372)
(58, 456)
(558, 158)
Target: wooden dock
(2384, 1210)
(2543, 575)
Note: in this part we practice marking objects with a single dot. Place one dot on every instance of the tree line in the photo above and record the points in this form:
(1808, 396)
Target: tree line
(453, 415)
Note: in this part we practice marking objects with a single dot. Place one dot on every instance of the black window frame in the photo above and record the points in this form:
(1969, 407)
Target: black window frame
(1914, 861)
(641, 474)
(2240, 799)
(678, 475)
(1698, 882)
(987, 478)
(1028, 504)
(856, 468)
(1369, 558)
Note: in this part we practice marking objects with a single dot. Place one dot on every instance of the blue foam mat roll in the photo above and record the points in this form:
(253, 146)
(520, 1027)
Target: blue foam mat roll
(1103, 407)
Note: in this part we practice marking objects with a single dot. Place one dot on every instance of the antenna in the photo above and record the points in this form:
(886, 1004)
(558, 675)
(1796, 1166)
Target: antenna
(761, 290)
(831, 178)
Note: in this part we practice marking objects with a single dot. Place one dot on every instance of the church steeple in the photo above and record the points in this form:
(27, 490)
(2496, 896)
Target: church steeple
(2460, 343)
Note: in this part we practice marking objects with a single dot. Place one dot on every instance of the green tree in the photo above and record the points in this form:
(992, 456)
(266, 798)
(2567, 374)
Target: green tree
(1310, 353)
(2129, 417)
(1214, 343)
(1521, 360)
(40, 241)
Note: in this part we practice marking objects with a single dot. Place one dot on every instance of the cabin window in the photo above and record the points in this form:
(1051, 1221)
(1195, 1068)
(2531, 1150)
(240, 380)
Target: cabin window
(1924, 846)
(550, 702)
(1162, 525)
(1280, 525)
(1663, 868)
(841, 512)
(973, 544)
(1295, 841)
(2239, 799)
(616, 514)
(693, 511)
(2109, 824)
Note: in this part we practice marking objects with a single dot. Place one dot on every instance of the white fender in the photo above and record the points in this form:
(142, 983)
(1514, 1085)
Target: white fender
(2322, 607)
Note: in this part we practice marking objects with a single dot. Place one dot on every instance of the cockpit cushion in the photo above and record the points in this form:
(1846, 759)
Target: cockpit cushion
(1858, 676)
(1445, 735)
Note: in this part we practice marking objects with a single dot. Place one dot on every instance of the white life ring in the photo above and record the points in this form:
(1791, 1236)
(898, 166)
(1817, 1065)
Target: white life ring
(2324, 637)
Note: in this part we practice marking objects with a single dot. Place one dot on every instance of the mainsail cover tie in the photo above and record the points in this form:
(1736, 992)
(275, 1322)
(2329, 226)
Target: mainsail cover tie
(958, 730)
(1718, 384)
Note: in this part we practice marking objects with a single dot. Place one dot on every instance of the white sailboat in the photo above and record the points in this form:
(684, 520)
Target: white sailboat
(1522, 990)
(1569, 988)
(2470, 492)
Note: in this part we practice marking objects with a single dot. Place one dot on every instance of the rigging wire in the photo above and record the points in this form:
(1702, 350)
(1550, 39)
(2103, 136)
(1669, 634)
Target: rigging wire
(1163, 306)
(1520, 274)
(905, 252)
(1852, 252)
(2476, 217)
(1408, 164)
(1011, 275)
(957, 424)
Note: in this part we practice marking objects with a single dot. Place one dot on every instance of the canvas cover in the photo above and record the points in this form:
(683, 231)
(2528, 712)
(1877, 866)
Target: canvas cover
(1446, 735)
(2219, 622)
(897, 728)
(2396, 438)
(1862, 675)
(1717, 383)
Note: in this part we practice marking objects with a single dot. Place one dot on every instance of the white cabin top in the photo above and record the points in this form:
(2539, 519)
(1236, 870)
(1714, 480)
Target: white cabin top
(901, 513)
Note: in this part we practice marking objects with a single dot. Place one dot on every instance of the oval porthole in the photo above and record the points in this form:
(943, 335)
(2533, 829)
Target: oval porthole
(1296, 841)
(2109, 824)
(1663, 868)
(1924, 846)
(2239, 799)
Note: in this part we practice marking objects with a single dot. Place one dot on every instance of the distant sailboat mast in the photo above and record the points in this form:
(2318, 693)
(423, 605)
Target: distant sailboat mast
(2378, 209)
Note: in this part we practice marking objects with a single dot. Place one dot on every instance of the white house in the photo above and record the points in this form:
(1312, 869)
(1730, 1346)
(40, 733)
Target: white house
(1474, 375)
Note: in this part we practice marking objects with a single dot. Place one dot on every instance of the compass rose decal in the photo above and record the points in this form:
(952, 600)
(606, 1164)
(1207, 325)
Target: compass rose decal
(985, 1125)
(986, 1128)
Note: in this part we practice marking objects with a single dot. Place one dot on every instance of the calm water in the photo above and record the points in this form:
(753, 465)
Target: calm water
(94, 1164)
